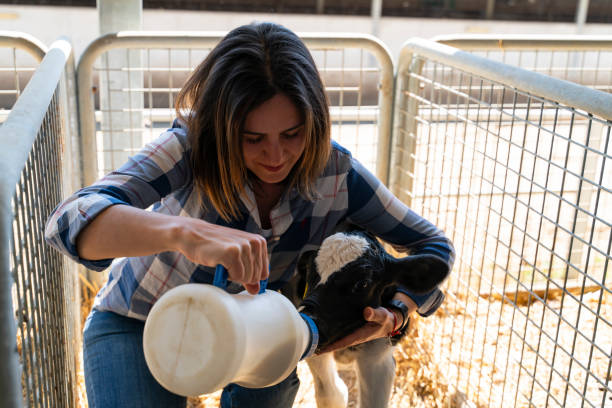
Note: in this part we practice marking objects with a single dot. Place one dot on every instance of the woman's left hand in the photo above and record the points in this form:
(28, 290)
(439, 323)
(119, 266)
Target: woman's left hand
(379, 324)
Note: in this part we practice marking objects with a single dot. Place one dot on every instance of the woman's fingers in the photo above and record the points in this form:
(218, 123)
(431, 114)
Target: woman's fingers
(252, 288)
(257, 259)
(249, 260)
(259, 254)
(243, 254)
(380, 315)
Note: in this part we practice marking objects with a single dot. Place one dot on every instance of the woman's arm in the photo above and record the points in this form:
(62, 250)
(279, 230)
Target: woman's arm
(122, 231)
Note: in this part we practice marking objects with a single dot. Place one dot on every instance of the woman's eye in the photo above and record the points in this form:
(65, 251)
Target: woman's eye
(252, 140)
(291, 135)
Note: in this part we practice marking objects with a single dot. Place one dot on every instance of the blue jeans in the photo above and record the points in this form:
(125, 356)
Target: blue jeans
(116, 374)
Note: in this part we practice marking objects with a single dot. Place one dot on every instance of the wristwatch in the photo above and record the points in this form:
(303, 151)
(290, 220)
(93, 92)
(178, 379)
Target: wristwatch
(401, 306)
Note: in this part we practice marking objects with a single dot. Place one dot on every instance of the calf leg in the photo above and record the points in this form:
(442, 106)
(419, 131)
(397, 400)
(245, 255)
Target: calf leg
(330, 390)
(375, 373)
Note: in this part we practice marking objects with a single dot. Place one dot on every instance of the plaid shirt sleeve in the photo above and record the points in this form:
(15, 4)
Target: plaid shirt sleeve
(373, 207)
(158, 169)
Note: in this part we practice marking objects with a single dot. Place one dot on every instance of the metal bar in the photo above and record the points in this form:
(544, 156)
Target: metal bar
(320, 6)
(507, 42)
(409, 129)
(556, 340)
(507, 257)
(522, 254)
(490, 10)
(375, 13)
(590, 100)
(588, 255)
(535, 258)
(481, 267)
(581, 15)
(15, 74)
(23, 41)
(359, 92)
(466, 230)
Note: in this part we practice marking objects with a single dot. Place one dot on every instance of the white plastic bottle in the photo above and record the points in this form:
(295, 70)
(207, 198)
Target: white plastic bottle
(198, 338)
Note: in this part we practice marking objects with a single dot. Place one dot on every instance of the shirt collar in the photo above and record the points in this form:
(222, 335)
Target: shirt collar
(281, 216)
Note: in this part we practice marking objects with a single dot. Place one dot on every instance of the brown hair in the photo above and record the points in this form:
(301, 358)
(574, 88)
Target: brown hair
(250, 65)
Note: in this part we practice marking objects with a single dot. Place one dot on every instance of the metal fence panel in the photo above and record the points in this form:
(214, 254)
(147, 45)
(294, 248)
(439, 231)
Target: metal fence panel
(38, 290)
(516, 168)
(128, 82)
(20, 54)
(582, 59)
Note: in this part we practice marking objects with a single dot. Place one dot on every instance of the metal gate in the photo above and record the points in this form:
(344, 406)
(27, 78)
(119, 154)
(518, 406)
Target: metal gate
(38, 289)
(516, 167)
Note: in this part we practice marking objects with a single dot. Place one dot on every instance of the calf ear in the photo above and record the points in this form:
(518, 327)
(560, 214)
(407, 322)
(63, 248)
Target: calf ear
(305, 268)
(418, 273)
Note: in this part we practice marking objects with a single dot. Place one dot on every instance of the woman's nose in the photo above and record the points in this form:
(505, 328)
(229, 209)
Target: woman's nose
(274, 152)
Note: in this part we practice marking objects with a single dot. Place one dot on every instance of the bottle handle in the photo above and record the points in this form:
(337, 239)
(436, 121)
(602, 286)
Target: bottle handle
(220, 279)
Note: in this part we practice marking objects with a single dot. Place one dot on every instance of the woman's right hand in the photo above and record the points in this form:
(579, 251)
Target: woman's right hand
(243, 254)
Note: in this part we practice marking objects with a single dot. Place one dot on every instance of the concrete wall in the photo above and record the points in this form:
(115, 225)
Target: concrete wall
(81, 24)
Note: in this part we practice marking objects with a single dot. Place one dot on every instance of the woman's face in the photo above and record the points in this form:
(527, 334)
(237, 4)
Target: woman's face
(273, 139)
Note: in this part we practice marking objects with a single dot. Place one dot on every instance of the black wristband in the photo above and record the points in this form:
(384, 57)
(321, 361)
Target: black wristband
(401, 306)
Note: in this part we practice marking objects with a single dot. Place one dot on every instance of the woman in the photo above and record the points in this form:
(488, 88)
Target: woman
(247, 178)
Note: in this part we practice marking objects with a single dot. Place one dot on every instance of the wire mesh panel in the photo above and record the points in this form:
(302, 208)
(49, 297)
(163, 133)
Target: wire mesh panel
(585, 60)
(523, 186)
(20, 54)
(135, 79)
(39, 291)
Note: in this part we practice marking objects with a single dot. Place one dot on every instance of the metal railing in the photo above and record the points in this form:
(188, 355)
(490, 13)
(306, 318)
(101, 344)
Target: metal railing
(39, 301)
(20, 54)
(127, 98)
(516, 167)
(583, 59)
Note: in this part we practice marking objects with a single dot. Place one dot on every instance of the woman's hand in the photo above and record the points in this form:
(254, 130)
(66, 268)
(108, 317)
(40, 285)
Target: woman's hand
(379, 324)
(243, 254)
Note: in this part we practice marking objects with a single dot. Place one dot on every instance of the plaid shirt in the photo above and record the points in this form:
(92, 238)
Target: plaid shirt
(160, 175)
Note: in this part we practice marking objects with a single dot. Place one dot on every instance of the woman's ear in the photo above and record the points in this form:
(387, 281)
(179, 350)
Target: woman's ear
(418, 273)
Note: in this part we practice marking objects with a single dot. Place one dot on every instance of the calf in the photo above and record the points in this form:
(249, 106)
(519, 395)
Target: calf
(351, 270)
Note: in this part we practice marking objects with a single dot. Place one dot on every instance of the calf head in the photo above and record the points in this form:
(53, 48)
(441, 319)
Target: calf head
(351, 270)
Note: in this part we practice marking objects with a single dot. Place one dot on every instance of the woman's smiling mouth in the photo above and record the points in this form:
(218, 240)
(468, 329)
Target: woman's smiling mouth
(273, 169)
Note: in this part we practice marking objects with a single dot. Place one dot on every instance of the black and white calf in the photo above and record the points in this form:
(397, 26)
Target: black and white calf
(351, 270)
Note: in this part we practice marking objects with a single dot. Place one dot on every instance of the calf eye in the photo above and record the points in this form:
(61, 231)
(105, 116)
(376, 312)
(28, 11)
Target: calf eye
(361, 285)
